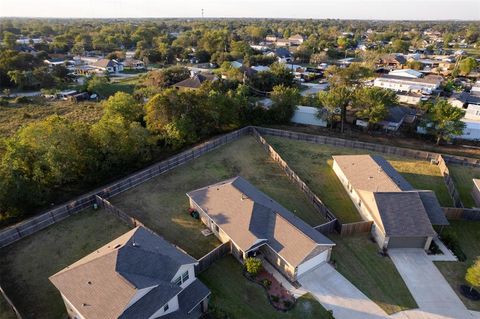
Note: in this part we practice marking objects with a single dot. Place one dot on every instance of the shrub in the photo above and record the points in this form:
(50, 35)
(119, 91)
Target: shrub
(287, 303)
(266, 283)
(22, 100)
(434, 249)
(275, 298)
(253, 265)
(451, 241)
(330, 314)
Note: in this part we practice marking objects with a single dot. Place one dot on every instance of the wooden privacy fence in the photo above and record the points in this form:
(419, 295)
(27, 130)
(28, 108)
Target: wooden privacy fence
(129, 220)
(34, 224)
(328, 227)
(462, 213)
(452, 190)
(317, 203)
(207, 260)
(355, 228)
(10, 303)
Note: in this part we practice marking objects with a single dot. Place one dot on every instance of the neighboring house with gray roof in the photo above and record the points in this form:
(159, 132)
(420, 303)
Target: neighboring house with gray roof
(138, 275)
(253, 223)
(107, 65)
(402, 216)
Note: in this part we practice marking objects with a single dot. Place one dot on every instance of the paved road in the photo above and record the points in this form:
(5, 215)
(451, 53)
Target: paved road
(433, 294)
(336, 293)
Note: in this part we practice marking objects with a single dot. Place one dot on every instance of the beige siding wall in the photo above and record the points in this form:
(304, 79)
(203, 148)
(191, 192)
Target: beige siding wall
(286, 269)
(476, 195)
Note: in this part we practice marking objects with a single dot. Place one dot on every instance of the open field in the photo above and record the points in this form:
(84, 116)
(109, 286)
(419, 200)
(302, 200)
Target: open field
(15, 115)
(468, 234)
(161, 203)
(357, 259)
(462, 177)
(313, 163)
(26, 265)
(234, 295)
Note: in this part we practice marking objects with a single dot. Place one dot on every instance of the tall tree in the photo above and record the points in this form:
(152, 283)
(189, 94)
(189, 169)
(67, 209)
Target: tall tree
(443, 120)
(371, 103)
(335, 100)
(285, 101)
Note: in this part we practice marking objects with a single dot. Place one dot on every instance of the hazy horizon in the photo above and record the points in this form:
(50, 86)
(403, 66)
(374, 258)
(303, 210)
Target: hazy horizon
(428, 10)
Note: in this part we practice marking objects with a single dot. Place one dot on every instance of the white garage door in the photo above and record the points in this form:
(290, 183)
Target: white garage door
(312, 263)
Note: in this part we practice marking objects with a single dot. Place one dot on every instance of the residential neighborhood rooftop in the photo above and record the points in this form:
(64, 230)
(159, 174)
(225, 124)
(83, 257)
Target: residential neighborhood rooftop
(250, 217)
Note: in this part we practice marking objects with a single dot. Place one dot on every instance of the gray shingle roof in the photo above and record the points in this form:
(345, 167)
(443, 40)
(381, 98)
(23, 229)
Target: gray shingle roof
(403, 214)
(432, 206)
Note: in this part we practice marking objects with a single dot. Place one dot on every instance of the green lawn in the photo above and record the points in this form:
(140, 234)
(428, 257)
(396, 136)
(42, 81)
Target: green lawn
(462, 177)
(161, 203)
(357, 259)
(468, 234)
(313, 163)
(234, 295)
(26, 265)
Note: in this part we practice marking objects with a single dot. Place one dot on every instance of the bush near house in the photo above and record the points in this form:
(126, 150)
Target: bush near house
(253, 266)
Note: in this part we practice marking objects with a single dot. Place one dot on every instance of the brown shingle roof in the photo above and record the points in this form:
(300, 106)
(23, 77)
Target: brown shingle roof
(248, 217)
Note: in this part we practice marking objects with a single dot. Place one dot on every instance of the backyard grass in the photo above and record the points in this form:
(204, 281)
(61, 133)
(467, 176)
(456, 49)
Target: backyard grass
(357, 259)
(462, 177)
(468, 234)
(26, 265)
(161, 203)
(234, 295)
(313, 163)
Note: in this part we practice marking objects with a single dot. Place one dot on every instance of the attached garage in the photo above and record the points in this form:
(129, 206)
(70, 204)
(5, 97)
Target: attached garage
(312, 263)
(407, 242)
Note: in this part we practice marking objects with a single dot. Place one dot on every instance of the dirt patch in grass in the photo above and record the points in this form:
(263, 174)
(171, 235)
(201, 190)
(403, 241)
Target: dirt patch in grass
(463, 178)
(26, 265)
(313, 163)
(468, 234)
(162, 205)
(234, 295)
(357, 259)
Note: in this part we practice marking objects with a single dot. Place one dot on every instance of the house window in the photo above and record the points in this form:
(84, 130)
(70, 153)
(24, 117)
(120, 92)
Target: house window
(178, 281)
(185, 276)
(165, 308)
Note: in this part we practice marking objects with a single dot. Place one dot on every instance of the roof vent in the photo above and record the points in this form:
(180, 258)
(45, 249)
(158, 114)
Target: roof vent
(134, 244)
(117, 246)
(89, 282)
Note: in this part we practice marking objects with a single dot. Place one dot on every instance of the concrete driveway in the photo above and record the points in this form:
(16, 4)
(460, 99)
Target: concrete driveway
(336, 293)
(433, 294)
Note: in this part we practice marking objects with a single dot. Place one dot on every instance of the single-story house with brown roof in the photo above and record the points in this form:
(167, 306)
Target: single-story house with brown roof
(253, 223)
(138, 275)
(194, 82)
(402, 216)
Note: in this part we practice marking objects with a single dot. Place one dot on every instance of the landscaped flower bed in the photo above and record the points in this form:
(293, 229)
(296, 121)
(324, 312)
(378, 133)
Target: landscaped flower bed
(279, 297)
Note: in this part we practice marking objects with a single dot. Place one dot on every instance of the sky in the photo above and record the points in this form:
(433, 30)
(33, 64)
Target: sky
(336, 9)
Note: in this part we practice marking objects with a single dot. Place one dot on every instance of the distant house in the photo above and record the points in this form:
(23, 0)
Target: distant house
(138, 275)
(55, 61)
(407, 73)
(107, 65)
(470, 102)
(393, 61)
(296, 39)
(133, 64)
(254, 224)
(271, 38)
(402, 216)
(396, 116)
(283, 55)
(307, 115)
(194, 82)
(476, 192)
(282, 43)
(424, 85)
